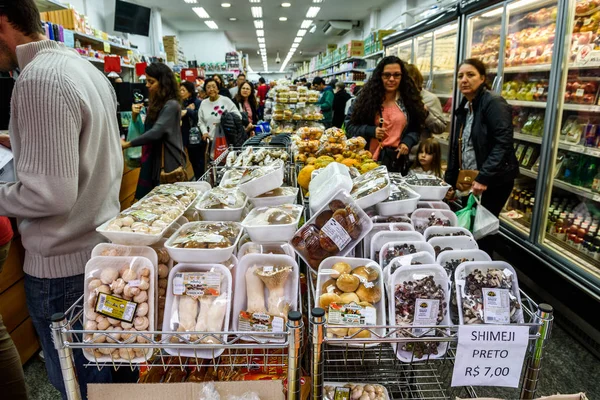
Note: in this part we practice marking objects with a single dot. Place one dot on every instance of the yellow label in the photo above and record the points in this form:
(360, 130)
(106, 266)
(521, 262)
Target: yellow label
(342, 393)
(115, 307)
(106, 47)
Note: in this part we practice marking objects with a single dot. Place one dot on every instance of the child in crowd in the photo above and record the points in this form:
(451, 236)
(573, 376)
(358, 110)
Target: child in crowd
(429, 158)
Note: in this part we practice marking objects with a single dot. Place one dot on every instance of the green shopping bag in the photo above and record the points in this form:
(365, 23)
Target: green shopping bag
(467, 214)
(133, 155)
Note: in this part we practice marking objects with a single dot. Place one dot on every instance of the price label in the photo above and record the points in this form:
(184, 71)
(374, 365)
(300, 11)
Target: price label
(532, 53)
(490, 355)
(523, 54)
(579, 92)
(106, 47)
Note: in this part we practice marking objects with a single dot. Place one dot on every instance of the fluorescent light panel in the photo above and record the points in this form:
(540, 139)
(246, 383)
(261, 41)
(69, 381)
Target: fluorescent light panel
(312, 12)
(295, 45)
(261, 40)
(201, 12)
(317, 1)
(260, 33)
(191, 1)
(254, 1)
(306, 24)
(211, 24)
(297, 40)
(286, 5)
(301, 32)
(258, 24)
(225, 5)
(283, 18)
(256, 12)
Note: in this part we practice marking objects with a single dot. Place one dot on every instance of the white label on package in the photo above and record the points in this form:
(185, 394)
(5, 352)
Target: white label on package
(336, 233)
(197, 284)
(277, 324)
(579, 92)
(490, 355)
(425, 176)
(496, 306)
(135, 283)
(426, 313)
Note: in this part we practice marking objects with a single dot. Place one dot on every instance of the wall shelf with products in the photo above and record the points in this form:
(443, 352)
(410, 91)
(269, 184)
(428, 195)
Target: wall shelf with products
(579, 191)
(99, 61)
(523, 103)
(89, 38)
(50, 5)
(379, 53)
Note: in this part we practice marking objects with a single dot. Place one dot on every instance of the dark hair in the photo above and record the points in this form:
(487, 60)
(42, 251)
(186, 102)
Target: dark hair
(318, 80)
(303, 80)
(242, 74)
(189, 86)
(23, 15)
(219, 85)
(431, 146)
(261, 80)
(168, 88)
(477, 64)
(357, 90)
(370, 102)
(251, 97)
(209, 80)
(415, 75)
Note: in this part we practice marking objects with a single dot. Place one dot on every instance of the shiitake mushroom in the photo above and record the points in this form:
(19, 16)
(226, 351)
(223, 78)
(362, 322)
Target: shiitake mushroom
(322, 218)
(335, 205)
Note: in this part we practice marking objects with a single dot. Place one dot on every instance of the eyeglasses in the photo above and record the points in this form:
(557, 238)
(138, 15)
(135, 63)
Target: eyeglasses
(388, 75)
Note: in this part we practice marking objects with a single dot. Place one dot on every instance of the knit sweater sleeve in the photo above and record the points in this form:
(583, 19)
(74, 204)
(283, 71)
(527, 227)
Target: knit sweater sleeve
(202, 115)
(49, 121)
(231, 107)
(166, 119)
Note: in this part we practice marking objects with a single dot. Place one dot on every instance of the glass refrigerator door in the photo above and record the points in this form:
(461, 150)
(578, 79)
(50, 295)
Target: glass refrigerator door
(528, 54)
(423, 53)
(570, 229)
(444, 63)
(402, 50)
(483, 39)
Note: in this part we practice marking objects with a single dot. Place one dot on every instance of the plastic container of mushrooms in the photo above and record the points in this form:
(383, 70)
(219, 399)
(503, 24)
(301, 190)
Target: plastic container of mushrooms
(119, 299)
(266, 289)
(381, 238)
(373, 391)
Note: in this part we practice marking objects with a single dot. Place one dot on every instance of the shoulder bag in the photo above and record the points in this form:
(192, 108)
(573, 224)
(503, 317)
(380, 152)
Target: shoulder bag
(179, 174)
(466, 177)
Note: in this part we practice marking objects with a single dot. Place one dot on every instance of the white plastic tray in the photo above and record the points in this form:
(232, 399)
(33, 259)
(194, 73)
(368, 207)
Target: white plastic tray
(435, 193)
(93, 269)
(377, 227)
(405, 274)
(201, 186)
(440, 205)
(467, 267)
(272, 233)
(381, 238)
(241, 300)
(324, 192)
(341, 384)
(226, 214)
(420, 216)
(454, 242)
(422, 257)
(196, 256)
(373, 198)
(472, 254)
(265, 183)
(389, 208)
(275, 200)
(118, 250)
(264, 248)
(419, 246)
(402, 218)
(445, 230)
(172, 304)
(324, 275)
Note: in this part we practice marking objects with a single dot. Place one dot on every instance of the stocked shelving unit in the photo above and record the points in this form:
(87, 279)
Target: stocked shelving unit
(50, 5)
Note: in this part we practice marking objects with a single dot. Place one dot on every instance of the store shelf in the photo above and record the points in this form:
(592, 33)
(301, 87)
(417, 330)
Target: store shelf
(582, 108)
(562, 249)
(218, 72)
(50, 5)
(443, 95)
(99, 61)
(579, 191)
(373, 55)
(527, 172)
(531, 104)
(344, 72)
(94, 39)
(575, 148)
(527, 138)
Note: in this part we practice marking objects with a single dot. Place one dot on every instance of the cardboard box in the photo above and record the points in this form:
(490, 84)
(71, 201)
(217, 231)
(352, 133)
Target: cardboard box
(266, 390)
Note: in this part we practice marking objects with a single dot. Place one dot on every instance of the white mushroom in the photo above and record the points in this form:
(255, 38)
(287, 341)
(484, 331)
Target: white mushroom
(127, 354)
(127, 336)
(93, 284)
(129, 275)
(127, 221)
(91, 326)
(129, 291)
(106, 350)
(91, 315)
(126, 229)
(163, 271)
(103, 289)
(145, 272)
(113, 321)
(141, 339)
(98, 338)
(114, 337)
(141, 297)
(126, 325)
(154, 231)
(103, 325)
(140, 353)
(144, 283)
(142, 309)
(109, 275)
(118, 286)
(141, 323)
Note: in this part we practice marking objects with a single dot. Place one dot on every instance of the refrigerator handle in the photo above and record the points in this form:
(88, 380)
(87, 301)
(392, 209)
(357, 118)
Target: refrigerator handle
(429, 84)
(494, 83)
(498, 88)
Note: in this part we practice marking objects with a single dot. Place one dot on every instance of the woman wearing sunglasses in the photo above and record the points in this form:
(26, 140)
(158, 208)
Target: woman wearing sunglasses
(389, 114)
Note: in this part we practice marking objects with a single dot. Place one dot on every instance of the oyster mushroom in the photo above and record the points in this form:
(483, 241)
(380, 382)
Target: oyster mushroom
(255, 291)
(275, 280)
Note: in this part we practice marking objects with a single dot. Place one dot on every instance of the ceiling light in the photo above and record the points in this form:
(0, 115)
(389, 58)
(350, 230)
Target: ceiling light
(295, 45)
(233, 19)
(317, 1)
(254, 1)
(297, 40)
(313, 29)
(301, 32)
(306, 24)
(257, 12)
(257, 52)
(262, 45)
(190, 1)
(225, 5)
(260, 33)
(312, 12)
(258, 24)
(261, 40)
(211, 24)
(283, 18)
(286, 5)
(201, 12)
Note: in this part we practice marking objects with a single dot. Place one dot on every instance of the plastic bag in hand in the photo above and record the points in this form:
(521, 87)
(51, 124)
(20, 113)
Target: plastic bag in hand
(485, 222)
(465, 216)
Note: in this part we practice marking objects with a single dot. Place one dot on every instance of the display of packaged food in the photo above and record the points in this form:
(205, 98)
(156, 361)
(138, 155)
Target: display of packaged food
(119, 295)
(281, 248)
(324, 185)
(268, 224)
(249, 157)
(276, 197)
(428, 186)
(220, 204)
(313, 96)
(198, 300)
(231, 178)
(350, 290)
(423, 218)
(438, 205)
(443, 231)
(119, 250)
(338, 390)
(392, 218)
(204, 242)
(448, 243)
(356, 144)
(379, 227)
(371, 188)
(391, 250)
(418, 258)
(266, 289)
(333, 231)
(487, 292)
(260, 180)
(381, 238)
(423, 288)
(402, 200)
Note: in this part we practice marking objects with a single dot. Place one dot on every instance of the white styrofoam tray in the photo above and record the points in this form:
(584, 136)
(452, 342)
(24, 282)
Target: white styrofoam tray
(435, 193)
(272, 233)
(263, 184)
(381, 238)
(341, 384)
(265, 248)
(196, 256)
(446, 231)
(325, 193)
(201, 186)
(454, 242)
(275, 200)
(407, 206)
(172, 303)
(440, 205)
(470, 254)
(119, 250)
(324, 275)
(225, 214)
(419, 246)
(422, 257)
(420, 216)
(376, 197)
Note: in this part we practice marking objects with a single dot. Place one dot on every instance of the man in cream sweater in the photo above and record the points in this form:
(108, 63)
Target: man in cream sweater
(68, 161)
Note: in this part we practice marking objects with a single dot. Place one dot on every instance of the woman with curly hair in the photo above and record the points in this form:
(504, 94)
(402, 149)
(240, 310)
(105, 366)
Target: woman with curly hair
(389, 113)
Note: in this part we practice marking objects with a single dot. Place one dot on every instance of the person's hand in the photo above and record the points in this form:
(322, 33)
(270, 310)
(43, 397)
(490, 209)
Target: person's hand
(205, 136)
(5, 141)
(380, 133)
(191, 106)
(183, 113)
(249, 127)
(125, 144)
(136, 108)
(402, 150)
(478, 188)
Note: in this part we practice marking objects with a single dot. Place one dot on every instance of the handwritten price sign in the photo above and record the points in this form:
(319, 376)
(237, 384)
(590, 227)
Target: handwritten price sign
(490, 355)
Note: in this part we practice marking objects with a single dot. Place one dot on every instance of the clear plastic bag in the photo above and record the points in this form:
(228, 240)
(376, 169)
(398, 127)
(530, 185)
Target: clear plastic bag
(485, 222)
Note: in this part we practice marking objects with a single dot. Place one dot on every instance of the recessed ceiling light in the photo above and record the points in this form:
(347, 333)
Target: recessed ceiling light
(262, 45)
(306, 24)
(286, 5)
(201, 12)
(260, 33)
(301, 32)
(191, 1)
(254, 1)
(317, 1)
(256, 12)
(261, 40)
(297, 40)
(225, 5)
(283, 18)
(258, 24)
(312, 12)
(233, 19)
(295, 45)
(211, 24)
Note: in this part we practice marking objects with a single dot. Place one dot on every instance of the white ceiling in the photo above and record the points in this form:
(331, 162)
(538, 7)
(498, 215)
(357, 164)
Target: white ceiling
(279, 36)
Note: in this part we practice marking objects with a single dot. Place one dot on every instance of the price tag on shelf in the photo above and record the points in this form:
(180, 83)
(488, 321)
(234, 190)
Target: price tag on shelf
(523, 54)
(579, 92)
(106, 47)
(533, 53)
(490, 355)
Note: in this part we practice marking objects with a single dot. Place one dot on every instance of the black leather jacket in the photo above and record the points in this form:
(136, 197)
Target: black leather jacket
(492, 135)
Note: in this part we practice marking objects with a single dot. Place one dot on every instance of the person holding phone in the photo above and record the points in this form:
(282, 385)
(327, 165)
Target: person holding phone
(190, 134)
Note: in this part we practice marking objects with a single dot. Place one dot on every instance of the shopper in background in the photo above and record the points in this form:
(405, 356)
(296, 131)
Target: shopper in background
(355, 93)
(262, 91)
(68, 162)
(241, 78)
(435, 122)
(192, 141)
(340, 99)
(223, 91)
(212, 109)
(201, 93)
(389, 113)
(482, 142)
(161, 141)
(429, 158)
(246, 103)
(325, 101)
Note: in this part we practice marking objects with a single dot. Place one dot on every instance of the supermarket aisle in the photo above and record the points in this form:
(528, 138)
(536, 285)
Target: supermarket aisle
(568, 368)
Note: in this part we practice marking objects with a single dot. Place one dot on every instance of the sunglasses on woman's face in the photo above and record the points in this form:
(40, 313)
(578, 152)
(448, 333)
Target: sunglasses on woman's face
(388, 75)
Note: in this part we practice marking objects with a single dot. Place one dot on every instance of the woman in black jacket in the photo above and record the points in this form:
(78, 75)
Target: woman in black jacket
(223, 91)
(389, 113)
(340, 98)
(483, 140)
(162, 129)
(192, 140)
(245, 101)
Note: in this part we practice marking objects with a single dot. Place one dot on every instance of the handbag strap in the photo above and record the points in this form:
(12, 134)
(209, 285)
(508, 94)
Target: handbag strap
(460, 150)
